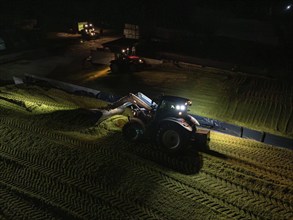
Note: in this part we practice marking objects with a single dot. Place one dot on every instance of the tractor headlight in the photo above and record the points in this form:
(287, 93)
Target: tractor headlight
(180, 107)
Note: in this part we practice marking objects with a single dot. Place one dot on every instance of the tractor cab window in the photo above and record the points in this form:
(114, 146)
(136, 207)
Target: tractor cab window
(173, 109)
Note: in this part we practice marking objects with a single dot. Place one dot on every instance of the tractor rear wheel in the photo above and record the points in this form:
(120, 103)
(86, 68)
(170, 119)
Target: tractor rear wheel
(133, 130)
(173, 138)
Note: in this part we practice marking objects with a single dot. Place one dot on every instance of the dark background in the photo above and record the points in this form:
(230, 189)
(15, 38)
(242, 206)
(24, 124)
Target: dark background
(240, 31)
(166, 13)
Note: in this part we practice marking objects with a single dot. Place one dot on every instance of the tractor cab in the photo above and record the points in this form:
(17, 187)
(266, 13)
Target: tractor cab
(172, 106)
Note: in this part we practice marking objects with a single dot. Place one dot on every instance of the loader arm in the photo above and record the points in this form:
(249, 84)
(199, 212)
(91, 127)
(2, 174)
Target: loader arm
(130, 99)
(118, 107)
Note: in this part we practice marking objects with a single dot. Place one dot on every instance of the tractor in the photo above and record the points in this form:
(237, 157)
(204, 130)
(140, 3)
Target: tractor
(124, 62)
(167, 123)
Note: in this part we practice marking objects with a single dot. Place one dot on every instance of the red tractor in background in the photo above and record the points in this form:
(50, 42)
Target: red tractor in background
(127, 61)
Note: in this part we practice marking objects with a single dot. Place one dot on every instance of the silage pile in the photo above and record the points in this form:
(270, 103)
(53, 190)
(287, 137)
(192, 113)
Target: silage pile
(57, 163)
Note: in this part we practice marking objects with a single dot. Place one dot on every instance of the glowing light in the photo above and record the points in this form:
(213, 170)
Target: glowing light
(97, 74)
(180, 107)
(288, 7)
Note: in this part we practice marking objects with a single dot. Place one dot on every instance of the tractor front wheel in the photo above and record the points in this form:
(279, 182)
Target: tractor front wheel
(133, 130)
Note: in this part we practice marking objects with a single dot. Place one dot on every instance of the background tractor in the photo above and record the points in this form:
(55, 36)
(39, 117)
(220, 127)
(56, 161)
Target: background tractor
(167, 123)
(125, 61)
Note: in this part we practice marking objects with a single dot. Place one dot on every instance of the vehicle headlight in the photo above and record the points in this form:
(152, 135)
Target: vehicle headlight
(180, 107)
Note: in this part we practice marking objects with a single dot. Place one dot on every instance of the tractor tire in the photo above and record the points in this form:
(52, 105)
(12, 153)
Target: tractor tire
(114, 68)
(173, 138)
(133, 130)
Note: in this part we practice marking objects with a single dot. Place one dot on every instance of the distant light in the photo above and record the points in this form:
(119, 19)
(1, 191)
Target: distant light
(288, 7)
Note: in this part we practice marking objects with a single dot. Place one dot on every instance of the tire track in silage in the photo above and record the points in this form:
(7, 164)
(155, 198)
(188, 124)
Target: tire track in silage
(137, 209)
(205, 196)
(17, 207)
(256, 153)
(223, 184)
(144, 169)
(87, 188)
(70, 195)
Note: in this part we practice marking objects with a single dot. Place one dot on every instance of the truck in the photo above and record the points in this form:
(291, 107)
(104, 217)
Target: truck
(167, 123)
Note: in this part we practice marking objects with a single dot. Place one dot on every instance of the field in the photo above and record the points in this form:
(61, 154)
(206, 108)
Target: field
(57, 163)
(254, 102)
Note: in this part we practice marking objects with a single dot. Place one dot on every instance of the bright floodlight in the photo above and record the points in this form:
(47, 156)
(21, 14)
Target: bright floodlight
(288, 7)
(180, 107)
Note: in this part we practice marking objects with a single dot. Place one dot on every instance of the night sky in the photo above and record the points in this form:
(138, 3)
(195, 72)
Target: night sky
(162, 13)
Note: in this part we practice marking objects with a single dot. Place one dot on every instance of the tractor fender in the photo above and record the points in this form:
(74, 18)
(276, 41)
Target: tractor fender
(179, 121)
(193, 120)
